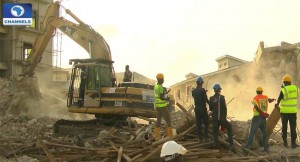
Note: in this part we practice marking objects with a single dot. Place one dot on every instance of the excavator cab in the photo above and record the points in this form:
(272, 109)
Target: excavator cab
(87, 78)
(93, 90)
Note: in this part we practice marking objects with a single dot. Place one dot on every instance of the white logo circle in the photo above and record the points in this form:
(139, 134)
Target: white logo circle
(17, 11)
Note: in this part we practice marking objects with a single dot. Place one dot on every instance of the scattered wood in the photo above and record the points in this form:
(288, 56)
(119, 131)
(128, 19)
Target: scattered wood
(184, 110)
(128, 144)
(45, 148)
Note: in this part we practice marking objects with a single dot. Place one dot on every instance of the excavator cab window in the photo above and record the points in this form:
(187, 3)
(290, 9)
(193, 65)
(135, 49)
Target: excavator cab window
(93, 78)
(98, 76)
(105, 76)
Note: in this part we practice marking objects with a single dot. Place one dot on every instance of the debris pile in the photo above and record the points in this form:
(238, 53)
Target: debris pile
(25, 138)
(5, 95)
(32, 138)
(27, 95)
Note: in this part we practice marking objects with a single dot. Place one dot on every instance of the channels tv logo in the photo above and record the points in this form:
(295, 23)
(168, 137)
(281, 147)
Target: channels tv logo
(17, 14)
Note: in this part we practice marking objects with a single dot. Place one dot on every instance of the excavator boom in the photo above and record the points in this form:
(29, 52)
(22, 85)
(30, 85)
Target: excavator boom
(81, 33)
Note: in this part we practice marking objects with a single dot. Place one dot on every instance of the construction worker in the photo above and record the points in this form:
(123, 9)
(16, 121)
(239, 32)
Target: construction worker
(217, 106)
(288, 109)
(260, 109)
(200, 99)
(161, 107)
(127, 74)
(172, 151)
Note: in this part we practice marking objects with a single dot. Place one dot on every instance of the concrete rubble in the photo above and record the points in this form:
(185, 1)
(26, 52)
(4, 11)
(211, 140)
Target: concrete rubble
(27, 138)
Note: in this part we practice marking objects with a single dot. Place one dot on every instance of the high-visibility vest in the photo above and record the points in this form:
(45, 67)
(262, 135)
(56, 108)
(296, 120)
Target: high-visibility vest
(158, 90)
(261, 101)
(288, 103)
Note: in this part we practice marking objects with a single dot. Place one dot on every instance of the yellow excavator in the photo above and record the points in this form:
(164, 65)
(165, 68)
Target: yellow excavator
(93, 88)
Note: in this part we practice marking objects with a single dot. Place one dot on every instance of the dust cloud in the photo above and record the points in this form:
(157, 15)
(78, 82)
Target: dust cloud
(36, 99)
(239, 85)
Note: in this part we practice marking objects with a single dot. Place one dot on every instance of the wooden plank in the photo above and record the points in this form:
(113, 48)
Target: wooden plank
(120, 150)
(134, 142)
(136, 157)
(96, 150)
(137, 132)
(272, 121)
(162, 141)
(204, 153)
(70, 158)
(45, 148)
(184, 110)
(133, 134)
(152, 153)
(126, 157)
(147, 119)
(119, 138)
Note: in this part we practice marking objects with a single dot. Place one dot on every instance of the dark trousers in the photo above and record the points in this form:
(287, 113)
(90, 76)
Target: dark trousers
(258, 122)
(201, 117)
(163, 112)
(291, 118)
(216, 126)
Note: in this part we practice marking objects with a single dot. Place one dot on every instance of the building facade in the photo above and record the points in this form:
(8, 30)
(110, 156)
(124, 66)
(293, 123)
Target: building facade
(16, 43)
(183, 90)
(239, 78)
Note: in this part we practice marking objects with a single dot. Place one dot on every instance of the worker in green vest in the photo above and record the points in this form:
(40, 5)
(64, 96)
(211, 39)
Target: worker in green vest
(161, 107)
(288, 109)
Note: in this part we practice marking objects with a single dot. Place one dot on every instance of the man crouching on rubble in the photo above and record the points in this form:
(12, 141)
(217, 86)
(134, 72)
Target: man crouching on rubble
(218, 107)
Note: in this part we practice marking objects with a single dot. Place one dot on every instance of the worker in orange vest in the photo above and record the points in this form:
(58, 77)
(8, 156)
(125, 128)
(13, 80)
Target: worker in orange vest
(260, 109)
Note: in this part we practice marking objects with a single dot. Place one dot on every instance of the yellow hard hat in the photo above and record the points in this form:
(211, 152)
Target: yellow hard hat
(287, 78)
(160, 76)
(259, 89)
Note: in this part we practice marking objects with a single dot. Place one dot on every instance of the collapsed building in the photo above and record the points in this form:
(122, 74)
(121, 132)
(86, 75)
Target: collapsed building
(239, 78)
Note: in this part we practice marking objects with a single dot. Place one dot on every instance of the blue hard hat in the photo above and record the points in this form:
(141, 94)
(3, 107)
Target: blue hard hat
(217, 86)
(199, 80)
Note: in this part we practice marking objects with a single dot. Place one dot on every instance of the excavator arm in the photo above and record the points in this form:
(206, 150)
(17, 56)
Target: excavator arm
(81, 33)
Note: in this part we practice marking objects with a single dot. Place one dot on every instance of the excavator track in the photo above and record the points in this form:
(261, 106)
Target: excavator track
(86, 128)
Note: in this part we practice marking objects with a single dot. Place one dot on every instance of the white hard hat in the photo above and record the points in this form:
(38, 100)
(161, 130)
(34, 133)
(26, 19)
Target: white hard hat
(171, 148)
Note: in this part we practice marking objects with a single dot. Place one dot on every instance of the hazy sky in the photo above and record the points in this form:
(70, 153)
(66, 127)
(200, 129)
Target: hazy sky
(177, 37)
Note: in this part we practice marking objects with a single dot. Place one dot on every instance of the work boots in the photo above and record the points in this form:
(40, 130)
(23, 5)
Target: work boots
(157, 134)
(294, 144)
(169, 131)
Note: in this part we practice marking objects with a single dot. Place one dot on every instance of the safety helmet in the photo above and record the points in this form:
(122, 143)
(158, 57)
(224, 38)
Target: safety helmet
(199, 80)
(160, 76)
(171, 148)
(287, 78)
(217, 86)
(259, 89)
